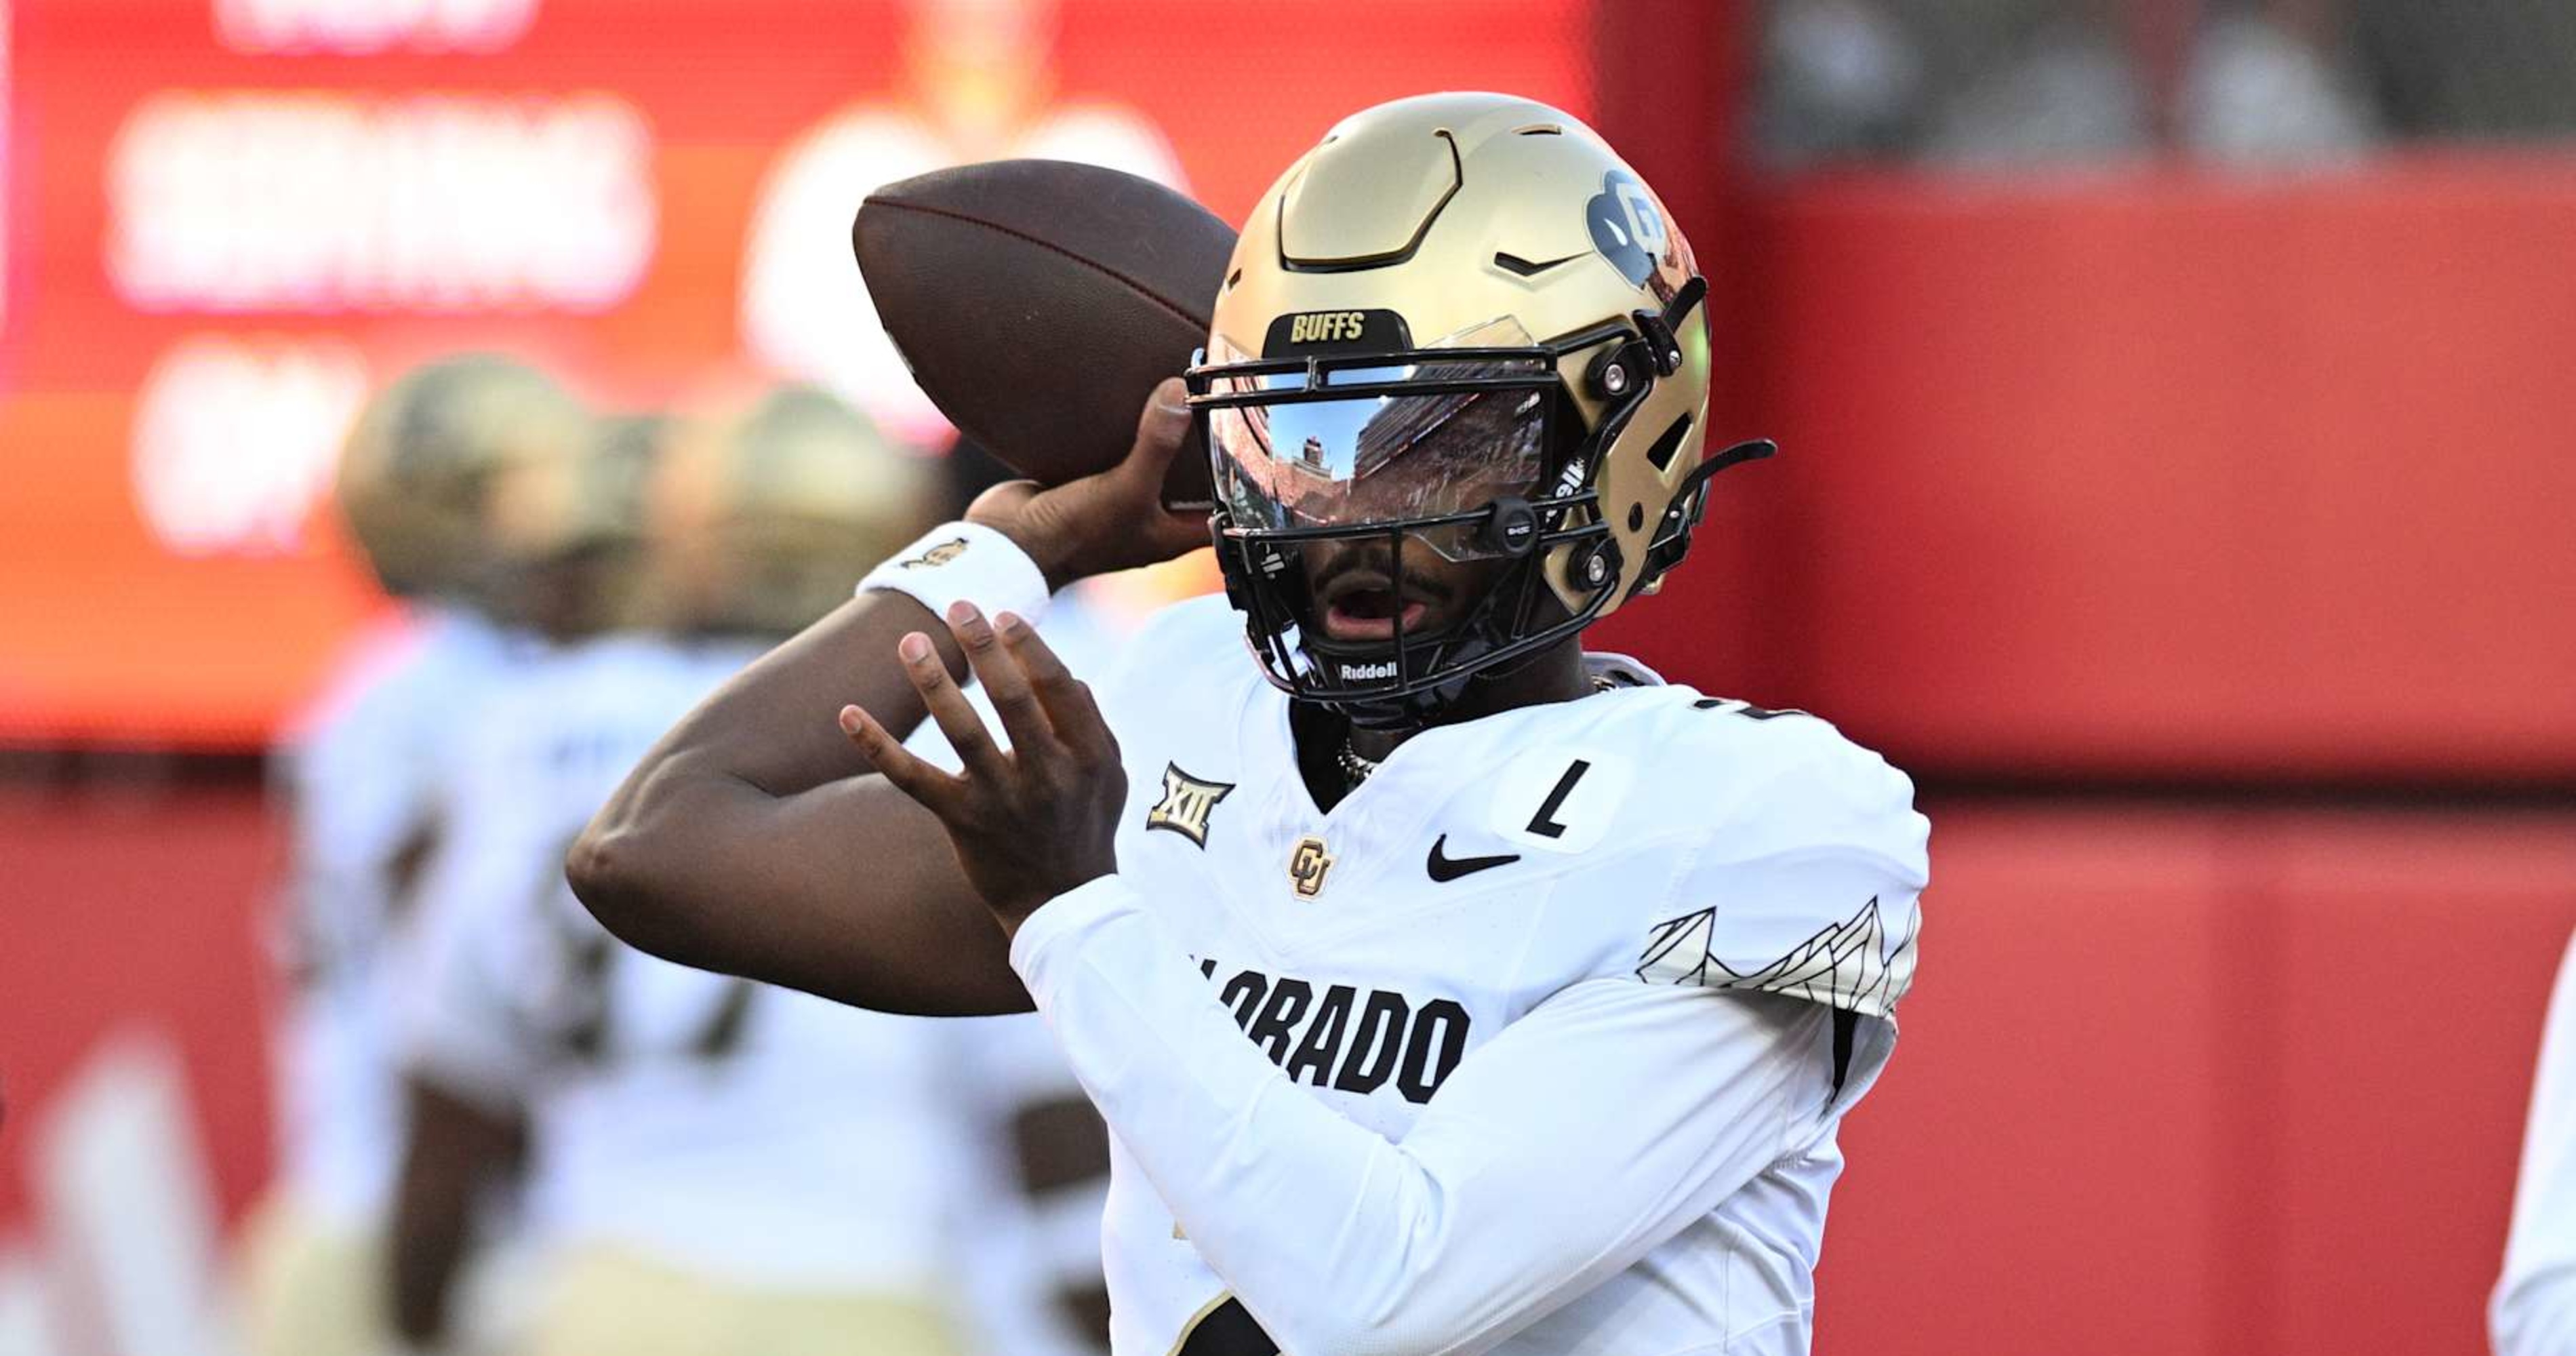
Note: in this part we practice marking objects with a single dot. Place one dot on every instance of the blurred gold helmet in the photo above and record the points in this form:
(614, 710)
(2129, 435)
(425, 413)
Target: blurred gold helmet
(418, 471)
(1462, 324)
(567, 533)
(764, 519)
(546, 508)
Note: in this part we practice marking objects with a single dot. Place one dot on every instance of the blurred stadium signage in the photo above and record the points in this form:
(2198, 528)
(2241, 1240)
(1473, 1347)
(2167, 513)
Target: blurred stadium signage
(243, 214)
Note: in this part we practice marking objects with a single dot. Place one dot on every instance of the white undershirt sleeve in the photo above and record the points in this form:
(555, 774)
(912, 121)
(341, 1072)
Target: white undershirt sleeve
(1570, 1145)
(2534, 1313)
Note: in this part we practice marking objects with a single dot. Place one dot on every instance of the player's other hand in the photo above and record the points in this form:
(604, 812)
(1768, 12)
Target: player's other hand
(1114, 520)
(1029, 822)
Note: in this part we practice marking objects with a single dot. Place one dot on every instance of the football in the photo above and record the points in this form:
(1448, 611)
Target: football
(1038, 302)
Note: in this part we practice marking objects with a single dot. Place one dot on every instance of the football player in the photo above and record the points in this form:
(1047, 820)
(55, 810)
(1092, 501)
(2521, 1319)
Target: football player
(1029, 1266)
(360, 771)
(1446, 988)
(714, 1165)
(2533, 1312)
(565, 535)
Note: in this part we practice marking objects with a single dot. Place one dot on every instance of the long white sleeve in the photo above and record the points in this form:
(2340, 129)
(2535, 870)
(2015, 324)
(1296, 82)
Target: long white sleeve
(1586, 1133)
(2534, 1313)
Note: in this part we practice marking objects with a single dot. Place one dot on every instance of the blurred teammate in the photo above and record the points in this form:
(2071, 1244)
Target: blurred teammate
(361, 772)
(714, 1166)
(566, 537)
(1446, 988)
(2534, 1312)
(1029, 1262)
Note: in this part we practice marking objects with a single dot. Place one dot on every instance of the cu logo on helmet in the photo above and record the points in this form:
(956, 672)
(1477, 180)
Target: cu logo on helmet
(1627, 227)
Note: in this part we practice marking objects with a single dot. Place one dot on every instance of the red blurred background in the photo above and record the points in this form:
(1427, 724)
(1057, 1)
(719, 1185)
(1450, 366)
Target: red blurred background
(2192, 531)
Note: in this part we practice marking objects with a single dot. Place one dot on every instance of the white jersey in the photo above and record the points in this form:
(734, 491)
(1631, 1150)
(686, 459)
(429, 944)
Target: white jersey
(364, 770)
(750, 1135)
(2534, 1311)
(1030, 1266)
(1536, 1042)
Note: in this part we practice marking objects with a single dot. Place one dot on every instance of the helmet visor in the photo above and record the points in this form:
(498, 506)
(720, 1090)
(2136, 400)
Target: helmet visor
(1428, 438)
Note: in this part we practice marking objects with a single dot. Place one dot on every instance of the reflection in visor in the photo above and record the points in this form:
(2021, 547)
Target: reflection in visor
(1380, 458)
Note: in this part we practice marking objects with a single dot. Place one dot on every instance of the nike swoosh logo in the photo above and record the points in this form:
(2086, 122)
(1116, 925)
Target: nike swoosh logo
(1447, 868)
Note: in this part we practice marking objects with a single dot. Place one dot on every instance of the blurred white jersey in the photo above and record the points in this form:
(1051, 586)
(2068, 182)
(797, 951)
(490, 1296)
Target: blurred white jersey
(1031, 1261)
(2533, 1312)
(1657, 938)
(745, 1134)
(364, 770)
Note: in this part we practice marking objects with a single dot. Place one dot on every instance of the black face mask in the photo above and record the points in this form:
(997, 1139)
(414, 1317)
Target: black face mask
(1470, 450)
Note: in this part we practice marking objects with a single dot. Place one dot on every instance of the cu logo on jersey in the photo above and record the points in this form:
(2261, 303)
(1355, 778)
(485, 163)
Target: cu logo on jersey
(1307, 865)
(1186, 804)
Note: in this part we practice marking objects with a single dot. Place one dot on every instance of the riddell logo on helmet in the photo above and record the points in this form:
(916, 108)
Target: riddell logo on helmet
(1352, 673)
(1327, 327)
(1570, 479)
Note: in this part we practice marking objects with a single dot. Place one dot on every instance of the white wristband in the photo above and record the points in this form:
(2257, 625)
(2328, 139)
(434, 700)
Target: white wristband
(968, 561)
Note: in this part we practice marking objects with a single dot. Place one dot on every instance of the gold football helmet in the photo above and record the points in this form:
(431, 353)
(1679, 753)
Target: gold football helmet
(567, 533)
(1460, 323)
(418, 471)
(763, 520)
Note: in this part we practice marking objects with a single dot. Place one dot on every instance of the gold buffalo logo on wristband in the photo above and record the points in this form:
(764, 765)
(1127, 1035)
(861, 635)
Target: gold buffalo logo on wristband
(1307, 865)
(936, 556)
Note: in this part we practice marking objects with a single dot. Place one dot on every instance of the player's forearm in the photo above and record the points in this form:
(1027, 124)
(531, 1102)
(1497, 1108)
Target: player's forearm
(771, 726)
(1517, 1190)
(767, 735)
(847, 891)
(452, 1149)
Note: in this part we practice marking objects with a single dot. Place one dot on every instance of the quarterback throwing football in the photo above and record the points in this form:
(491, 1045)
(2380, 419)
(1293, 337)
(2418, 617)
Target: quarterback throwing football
(1447, 989)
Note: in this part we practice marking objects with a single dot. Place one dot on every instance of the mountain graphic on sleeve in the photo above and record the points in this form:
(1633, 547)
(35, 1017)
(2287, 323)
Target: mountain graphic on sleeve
(1844, 965)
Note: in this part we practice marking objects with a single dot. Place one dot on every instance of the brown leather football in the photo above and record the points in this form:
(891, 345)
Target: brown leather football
(1038, 302)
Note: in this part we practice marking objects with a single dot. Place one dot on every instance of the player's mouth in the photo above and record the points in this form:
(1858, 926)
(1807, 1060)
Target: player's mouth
(1365, 605)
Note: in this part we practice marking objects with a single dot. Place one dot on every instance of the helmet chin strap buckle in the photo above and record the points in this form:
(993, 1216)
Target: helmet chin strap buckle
(1672, 537)
(1662, 349)
(1752, 449)
(1658, 328)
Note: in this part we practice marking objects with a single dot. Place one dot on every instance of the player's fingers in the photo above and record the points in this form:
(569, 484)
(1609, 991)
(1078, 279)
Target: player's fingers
(1002, 502)
(1004, 681)
(910, 775)
(1070, 710)
(1177, 534)
(949, 707)
(1160, 434)
(1160, 430)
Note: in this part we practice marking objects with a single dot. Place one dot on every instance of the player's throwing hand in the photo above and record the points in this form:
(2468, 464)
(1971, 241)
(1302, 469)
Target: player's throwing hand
(1028, 822)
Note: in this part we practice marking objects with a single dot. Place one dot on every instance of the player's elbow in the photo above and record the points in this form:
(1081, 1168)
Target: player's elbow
(611, 870)
(632, 869)
(599, 872)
